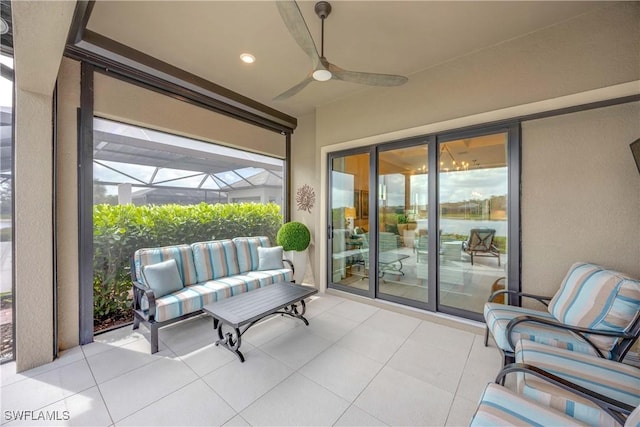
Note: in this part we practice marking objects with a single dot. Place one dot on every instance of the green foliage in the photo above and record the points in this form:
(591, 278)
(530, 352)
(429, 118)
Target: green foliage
(293, 236)
(5, 234)
(402, 219)
(118, 231)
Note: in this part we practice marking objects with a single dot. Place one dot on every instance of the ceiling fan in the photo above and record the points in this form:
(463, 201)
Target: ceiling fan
(323, 70)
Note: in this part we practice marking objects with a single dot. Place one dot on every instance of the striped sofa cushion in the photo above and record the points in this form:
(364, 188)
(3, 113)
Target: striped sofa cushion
(187, 300)
(501, 407)
(269, 277)
(226, 287)
(612, 379)
(181, 253)
(247, 251)
(215, 259)
(593, 297)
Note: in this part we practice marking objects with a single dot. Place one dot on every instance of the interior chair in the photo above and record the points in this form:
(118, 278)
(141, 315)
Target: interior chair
(422, 249)
(595, 311)
(387, 242)
(567, 381)
(480, 243)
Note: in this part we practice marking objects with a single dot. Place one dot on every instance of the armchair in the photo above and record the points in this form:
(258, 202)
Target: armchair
(595, 311)
(480, 243)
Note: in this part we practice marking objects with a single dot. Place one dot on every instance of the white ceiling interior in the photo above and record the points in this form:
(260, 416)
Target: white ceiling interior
(206, 38)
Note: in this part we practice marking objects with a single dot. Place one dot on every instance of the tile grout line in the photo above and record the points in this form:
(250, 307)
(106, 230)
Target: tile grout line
(97, 386)
(384, 365)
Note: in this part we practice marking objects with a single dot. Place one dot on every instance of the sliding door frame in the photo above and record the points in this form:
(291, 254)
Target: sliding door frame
(513, 205)
(433, 141)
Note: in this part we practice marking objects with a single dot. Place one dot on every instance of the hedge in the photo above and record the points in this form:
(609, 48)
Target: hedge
(118, 231)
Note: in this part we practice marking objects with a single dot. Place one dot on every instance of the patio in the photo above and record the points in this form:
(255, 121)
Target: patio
(356, 364)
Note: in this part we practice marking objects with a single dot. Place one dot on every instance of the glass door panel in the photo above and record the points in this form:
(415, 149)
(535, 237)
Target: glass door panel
(349, 222)
(402, 202)
(473, 183)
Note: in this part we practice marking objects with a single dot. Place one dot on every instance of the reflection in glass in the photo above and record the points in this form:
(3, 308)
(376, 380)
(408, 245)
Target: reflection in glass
(473, 178)
(350, 221)
(402, 215)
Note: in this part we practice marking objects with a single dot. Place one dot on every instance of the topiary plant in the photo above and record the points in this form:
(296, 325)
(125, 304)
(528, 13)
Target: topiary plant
(293, 236)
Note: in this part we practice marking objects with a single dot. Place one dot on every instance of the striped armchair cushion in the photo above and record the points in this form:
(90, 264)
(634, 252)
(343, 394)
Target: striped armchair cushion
(498, 317)
(501, 407)
(596, 298)
(215, 259)
(181, 253)
(612, 379)
(247, 251)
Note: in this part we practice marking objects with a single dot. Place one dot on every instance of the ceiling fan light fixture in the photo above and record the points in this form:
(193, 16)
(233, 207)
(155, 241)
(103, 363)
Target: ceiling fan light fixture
(322, 75)
(247, 58)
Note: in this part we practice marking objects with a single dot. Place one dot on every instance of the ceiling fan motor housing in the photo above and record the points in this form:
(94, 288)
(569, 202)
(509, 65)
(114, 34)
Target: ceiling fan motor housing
(323, 9)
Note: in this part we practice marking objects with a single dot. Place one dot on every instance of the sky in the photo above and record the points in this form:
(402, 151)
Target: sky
(455, 186)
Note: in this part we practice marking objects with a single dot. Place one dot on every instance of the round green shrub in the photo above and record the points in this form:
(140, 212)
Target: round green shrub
(293, 236)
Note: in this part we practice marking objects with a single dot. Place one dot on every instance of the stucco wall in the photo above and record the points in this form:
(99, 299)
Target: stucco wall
(67, 203)
(304, 164)
(39, 35)
(580, 194)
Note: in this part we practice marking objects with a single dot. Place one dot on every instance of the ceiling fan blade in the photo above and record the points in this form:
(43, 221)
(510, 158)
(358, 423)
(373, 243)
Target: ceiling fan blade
(293, 19)
(292, 91)
(371, 79)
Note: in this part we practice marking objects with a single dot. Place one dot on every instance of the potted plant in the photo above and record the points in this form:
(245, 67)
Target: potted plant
(294, 237)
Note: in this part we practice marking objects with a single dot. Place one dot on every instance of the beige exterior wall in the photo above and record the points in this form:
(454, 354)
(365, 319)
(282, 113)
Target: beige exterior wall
(580, 194)
(304, 164)
(33, 230)
(67, 204)
(40, 30)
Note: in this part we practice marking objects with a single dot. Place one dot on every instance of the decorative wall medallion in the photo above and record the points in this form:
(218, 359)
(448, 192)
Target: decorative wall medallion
(305, 198)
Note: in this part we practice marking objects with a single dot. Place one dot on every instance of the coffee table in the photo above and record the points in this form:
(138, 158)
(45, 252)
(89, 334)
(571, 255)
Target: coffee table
(242, 311)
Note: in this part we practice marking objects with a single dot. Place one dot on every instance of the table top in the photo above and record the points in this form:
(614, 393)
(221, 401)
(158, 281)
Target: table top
(390, 257)
(254, 305)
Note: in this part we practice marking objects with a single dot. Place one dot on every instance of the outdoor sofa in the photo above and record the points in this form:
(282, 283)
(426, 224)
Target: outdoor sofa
(172, 283)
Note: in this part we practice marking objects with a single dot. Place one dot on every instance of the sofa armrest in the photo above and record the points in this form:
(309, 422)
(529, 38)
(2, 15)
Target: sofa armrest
(139, 292)
(611, 406)
(288, 261)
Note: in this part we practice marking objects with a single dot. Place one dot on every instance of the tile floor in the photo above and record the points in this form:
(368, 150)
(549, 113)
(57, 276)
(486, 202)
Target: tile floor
(354, 365)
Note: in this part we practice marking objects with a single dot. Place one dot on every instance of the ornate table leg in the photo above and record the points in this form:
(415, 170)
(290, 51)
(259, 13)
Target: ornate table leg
(230, 340)
(292, 311)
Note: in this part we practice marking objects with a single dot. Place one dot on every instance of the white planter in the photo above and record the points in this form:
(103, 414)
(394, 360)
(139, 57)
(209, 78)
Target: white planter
(299, 260)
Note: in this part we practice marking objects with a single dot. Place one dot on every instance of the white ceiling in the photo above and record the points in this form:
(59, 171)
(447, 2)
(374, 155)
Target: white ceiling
(206, 38)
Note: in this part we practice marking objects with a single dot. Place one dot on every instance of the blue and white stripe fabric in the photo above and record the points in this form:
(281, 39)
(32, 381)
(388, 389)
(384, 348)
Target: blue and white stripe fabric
(590, 296)
(500, 406)
(609, 378)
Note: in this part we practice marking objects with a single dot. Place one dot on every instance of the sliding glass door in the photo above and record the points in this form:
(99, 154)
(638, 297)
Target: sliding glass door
(403, 215)
(473, 183)
(444, 234)
(349, 222)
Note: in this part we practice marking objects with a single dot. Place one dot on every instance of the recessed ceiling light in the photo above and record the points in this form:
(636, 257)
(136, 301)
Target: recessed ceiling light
(248, 58)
